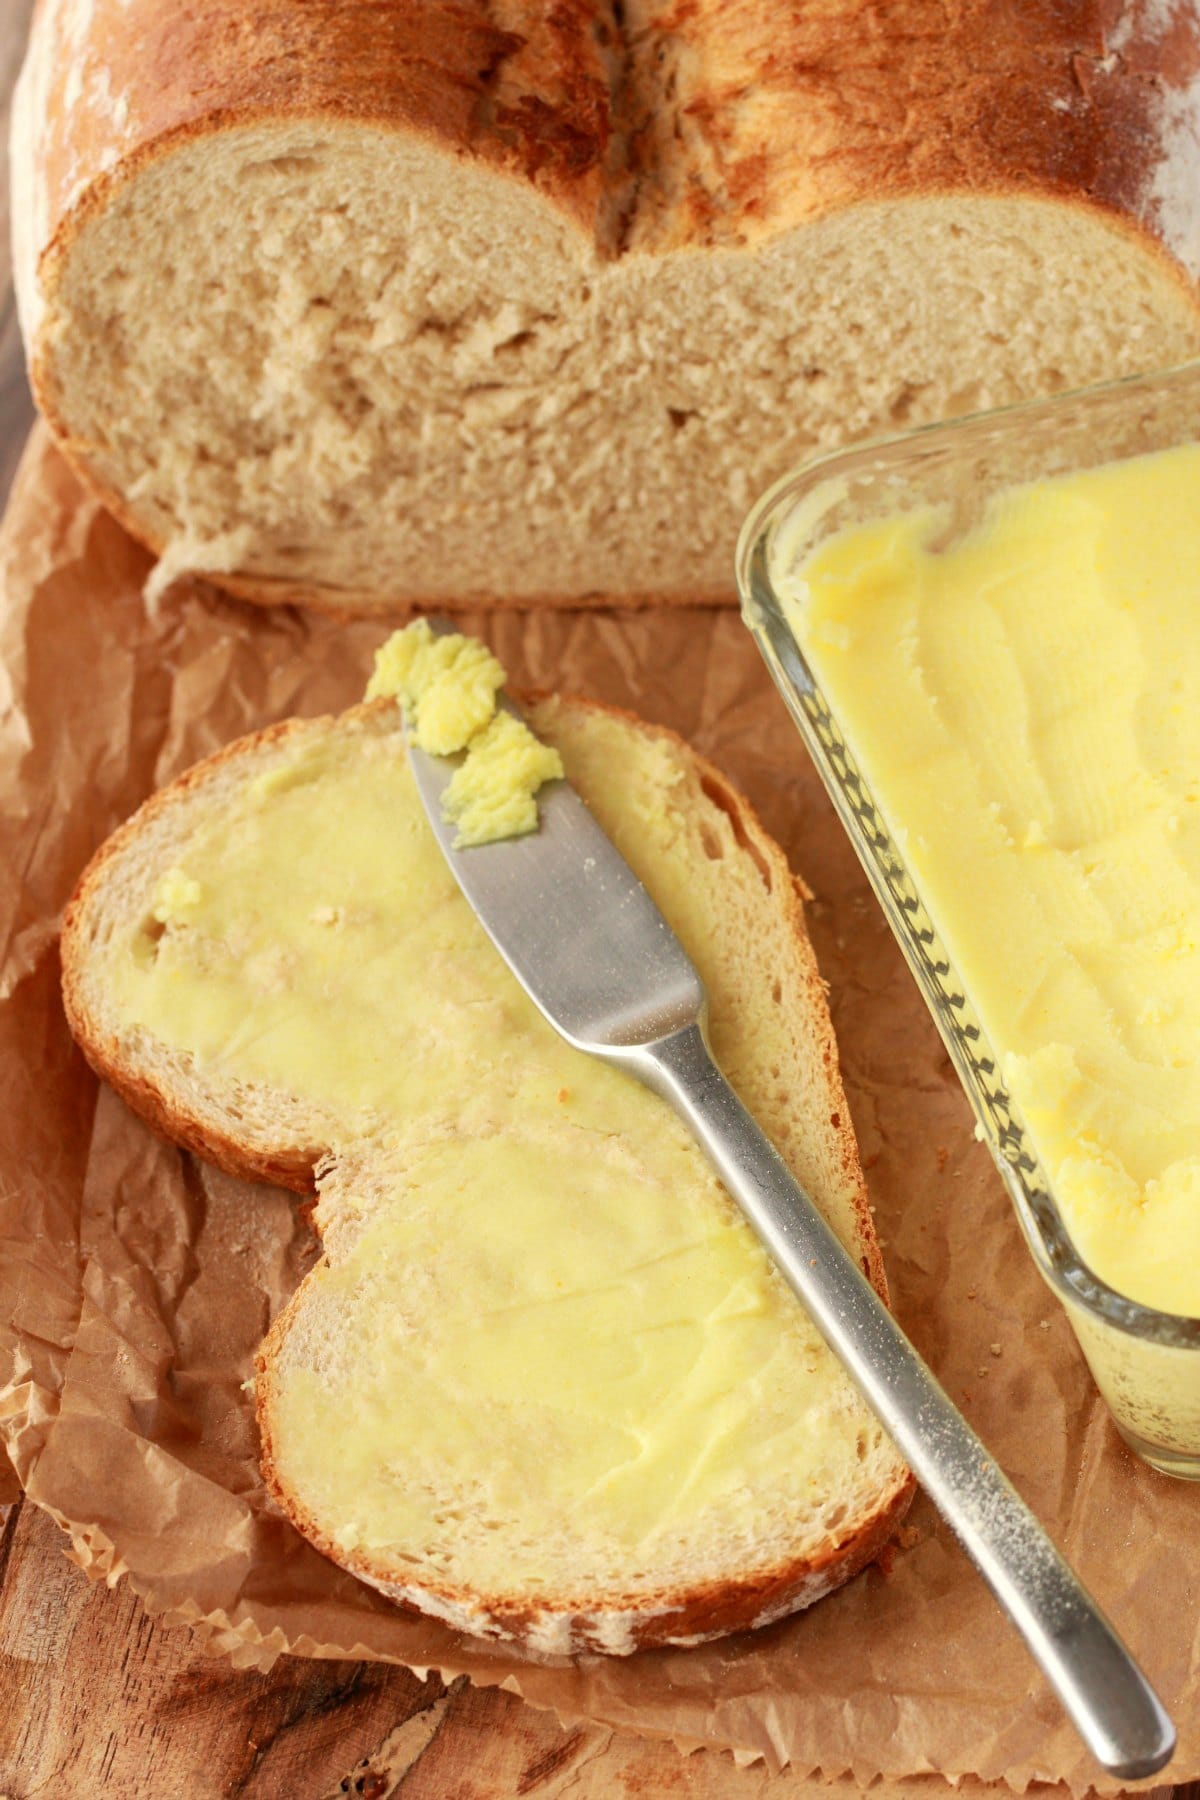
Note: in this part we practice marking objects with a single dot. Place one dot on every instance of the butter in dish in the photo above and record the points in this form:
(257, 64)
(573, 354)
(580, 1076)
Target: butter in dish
(984, 632)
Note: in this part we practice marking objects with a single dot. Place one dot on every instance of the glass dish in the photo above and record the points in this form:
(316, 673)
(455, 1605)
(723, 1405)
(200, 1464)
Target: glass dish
(1146, 1363)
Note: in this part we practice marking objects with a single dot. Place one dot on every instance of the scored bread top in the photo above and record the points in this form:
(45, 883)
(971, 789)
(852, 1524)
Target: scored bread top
(691, 1540)
(708, 122)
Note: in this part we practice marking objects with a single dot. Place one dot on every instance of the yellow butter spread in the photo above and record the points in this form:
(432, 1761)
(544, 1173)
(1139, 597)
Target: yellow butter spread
(448, 685)
(576, 1334)
(548, 1305)
(1024, 704)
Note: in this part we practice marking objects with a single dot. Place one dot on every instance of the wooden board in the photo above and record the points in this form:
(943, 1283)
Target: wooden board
(99, 1699)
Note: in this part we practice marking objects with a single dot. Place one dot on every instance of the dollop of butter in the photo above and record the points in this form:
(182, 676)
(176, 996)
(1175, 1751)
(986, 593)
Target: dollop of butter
(492, 794)
(448, 687)
(176, 895)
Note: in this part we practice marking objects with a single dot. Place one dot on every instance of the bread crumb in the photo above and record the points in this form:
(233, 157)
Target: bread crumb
(1043, 1324)
(972, 1293)
(996, 1349)
(908, 1536)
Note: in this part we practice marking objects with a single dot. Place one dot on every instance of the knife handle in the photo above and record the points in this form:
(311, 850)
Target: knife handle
(1103, 1690)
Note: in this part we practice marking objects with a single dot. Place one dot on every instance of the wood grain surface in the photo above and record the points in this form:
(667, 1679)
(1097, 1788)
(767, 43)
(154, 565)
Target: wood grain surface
(97, 1698)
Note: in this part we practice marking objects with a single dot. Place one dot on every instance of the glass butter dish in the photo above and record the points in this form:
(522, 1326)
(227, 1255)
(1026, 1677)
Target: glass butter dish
(949, 485)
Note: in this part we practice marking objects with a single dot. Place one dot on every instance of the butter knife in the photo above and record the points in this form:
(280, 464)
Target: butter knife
(589, 946)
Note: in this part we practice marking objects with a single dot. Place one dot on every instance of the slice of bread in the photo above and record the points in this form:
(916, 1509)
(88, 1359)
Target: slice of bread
(543, 1383)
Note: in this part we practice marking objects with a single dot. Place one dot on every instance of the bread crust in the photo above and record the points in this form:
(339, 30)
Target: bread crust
(103, 1050)
(693, 125)
(610, 1621)
(521, 86)
(986, 99)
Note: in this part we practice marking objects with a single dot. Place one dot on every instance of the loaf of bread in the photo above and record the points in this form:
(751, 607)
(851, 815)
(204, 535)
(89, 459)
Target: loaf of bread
(504, 301)
(544, 1383)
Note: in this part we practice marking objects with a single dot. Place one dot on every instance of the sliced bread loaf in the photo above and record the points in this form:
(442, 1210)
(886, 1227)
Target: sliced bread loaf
(471, 300)
(543, 1383)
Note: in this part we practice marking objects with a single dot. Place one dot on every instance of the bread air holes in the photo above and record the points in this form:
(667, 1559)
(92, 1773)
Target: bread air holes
(905, 401)
(681, 416)
(147, 939)
(298, 163)
(968, 399)
(721, 797)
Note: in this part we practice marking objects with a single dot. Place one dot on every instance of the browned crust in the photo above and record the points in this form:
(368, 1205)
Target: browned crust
(732, 124)
(984, 97)
(713, 1609)
(518, 85)
(104, 1052)
(981, 98)
(710, 1610)
(344, 603)
(182, 1128)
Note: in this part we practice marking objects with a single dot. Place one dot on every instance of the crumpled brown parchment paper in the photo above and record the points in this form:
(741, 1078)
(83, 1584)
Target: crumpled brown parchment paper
(135, 1283)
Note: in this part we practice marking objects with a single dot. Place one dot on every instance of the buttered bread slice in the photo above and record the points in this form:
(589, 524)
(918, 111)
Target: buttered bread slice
(544, 1383)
